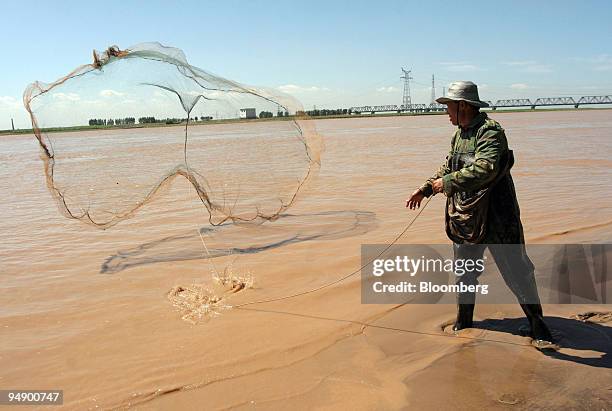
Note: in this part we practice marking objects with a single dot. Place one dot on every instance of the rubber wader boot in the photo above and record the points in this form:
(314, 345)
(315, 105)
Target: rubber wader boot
(465, 313)
(539, 330)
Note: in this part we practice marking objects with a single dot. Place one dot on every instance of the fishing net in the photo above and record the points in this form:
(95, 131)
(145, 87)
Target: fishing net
(151, 117)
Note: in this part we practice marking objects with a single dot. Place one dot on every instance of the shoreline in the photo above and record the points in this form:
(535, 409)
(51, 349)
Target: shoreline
(228, 121)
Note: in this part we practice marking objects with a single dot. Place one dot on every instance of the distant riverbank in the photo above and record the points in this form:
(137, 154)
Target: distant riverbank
(225, 121)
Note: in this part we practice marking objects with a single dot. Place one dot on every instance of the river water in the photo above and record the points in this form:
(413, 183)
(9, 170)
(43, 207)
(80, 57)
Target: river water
(86, 310)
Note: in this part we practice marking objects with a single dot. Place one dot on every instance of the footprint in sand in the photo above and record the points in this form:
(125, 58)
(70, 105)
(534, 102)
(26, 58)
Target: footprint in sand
(199, 302)
(447, 328)
(510, 399)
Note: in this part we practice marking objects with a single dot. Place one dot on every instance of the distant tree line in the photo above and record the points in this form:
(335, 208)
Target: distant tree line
(173, 120)
(112, 122)
(326, 112)
(143, 120)
(147, 120)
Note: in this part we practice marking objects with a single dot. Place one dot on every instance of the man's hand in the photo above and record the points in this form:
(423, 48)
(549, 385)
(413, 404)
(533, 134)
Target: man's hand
(415, 199)
(437, 186)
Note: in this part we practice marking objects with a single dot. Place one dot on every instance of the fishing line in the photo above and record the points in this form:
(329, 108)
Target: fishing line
(400, 235)
(385, 327)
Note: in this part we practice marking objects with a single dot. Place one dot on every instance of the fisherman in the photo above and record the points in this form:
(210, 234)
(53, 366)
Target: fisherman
(481, 206)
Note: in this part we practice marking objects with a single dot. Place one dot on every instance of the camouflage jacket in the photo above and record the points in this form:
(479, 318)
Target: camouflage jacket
(481, 205)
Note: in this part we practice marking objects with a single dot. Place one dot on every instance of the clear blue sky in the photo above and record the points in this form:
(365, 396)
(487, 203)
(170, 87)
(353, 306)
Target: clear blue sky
(327, 53)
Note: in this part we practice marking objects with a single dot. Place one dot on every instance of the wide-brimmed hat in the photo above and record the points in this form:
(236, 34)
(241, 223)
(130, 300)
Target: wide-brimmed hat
(463, 91)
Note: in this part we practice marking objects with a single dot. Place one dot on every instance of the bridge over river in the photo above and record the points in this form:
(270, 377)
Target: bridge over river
(506, 103)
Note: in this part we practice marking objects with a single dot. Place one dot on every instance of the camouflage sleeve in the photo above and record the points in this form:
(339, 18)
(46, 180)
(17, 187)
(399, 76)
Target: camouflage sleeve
(427, 187)
(484, 169)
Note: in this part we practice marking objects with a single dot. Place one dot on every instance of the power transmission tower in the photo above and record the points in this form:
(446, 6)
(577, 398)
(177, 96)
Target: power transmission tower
(433, 89)
(407, 77)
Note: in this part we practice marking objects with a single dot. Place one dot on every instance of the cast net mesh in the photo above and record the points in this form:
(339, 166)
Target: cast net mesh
(242, 171)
